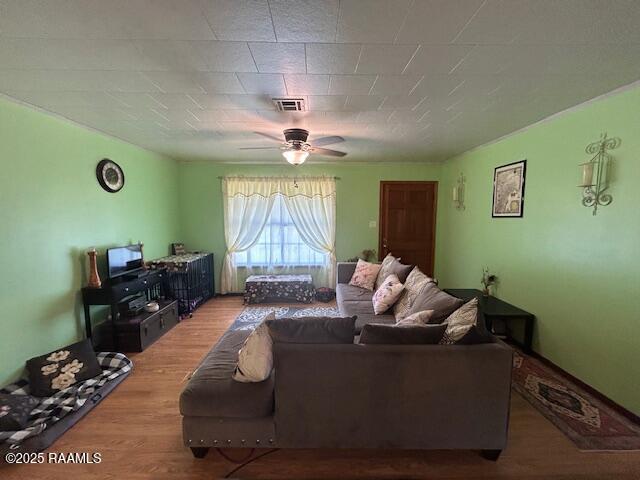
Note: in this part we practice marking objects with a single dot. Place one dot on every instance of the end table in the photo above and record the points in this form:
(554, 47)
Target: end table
(494, 308)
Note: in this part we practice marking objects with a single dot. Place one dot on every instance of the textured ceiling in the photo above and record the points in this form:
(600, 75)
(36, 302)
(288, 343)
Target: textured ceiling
(399, 79)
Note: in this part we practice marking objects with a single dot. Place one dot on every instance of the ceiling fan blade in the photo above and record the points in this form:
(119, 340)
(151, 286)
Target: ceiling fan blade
(321, 142)
(270, 137)
(259, 148)
(328, 152)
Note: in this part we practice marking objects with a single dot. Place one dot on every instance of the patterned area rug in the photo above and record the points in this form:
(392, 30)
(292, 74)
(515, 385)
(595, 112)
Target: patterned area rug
(588, 422)
(251, 316)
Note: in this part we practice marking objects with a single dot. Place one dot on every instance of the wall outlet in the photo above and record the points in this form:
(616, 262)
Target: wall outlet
(373, 224)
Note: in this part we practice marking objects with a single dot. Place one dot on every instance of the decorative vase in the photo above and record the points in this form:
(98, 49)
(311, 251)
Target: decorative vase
(94, 277)
(486, 292)
(144, 264)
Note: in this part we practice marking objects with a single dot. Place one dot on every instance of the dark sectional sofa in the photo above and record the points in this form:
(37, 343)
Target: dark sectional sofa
(352, 395)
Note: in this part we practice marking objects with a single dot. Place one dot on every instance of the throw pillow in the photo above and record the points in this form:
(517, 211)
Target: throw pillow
(416, 281)
(382, 334)
(432, 298)
(391, 265)
(418, 318)
(385, 269)
(312, 329)
(57, 370)
(401, 270)
(255, 358)
(15, 411)
(365, 275)
(460, 322)
(387, 294)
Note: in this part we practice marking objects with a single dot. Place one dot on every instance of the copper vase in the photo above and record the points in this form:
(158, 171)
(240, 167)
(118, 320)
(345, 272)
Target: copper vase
(94, 277)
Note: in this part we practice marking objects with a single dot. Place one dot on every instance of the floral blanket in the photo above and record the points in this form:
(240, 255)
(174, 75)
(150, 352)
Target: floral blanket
(177, 263)
(52, 409)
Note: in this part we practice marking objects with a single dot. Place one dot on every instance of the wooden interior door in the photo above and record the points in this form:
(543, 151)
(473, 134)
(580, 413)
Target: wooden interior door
(408, 222)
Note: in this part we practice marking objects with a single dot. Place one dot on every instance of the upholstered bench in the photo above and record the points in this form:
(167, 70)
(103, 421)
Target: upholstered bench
(264, 288)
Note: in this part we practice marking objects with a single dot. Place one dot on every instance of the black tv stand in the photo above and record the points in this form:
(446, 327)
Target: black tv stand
(134, 275)
(152, 283)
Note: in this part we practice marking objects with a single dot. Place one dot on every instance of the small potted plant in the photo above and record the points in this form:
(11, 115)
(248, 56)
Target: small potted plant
(488, 279)
(367, 255)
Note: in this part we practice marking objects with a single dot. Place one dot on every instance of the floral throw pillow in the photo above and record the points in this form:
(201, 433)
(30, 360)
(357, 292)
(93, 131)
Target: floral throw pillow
(387, 294)
(390, 265)
(416, 281)
(460, 322)
(365, 275)
(57, 370)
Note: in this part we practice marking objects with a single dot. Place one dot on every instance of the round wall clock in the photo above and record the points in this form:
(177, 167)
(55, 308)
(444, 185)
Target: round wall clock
(110, 175)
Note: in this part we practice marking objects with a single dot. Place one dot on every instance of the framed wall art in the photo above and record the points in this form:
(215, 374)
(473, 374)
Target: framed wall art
(508, 189)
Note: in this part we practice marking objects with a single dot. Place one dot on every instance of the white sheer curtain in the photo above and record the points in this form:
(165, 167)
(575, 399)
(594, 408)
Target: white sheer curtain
(248, 204)
(313, 211)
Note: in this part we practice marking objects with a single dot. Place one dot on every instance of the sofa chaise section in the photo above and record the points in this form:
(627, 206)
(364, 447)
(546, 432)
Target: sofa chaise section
(216, 408)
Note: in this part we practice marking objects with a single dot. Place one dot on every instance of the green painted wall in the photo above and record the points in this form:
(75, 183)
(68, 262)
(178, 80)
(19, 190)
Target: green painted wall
(52, 209)
(357, 198)
(578, 273)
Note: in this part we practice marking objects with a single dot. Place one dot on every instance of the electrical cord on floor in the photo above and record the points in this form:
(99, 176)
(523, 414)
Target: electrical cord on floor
(245, 461)
(233, 460)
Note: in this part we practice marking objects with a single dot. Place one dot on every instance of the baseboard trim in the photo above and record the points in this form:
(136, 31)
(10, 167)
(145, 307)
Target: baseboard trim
(592, 391)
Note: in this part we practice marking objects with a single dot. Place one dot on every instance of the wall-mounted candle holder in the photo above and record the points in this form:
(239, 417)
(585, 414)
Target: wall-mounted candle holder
(595, 173)
(458, 193)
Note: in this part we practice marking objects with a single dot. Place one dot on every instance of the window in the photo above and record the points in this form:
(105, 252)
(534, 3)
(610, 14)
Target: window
(279, 244)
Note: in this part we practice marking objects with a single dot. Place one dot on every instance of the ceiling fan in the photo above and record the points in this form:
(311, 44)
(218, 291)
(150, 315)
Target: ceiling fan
(295, 147)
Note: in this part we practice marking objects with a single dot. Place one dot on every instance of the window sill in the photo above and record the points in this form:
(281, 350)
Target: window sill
(275, 267)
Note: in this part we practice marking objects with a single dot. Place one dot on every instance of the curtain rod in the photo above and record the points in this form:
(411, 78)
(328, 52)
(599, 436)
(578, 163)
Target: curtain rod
(283, 178)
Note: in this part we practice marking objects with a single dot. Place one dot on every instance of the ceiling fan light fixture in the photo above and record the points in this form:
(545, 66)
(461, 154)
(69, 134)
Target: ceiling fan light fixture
(295, 157)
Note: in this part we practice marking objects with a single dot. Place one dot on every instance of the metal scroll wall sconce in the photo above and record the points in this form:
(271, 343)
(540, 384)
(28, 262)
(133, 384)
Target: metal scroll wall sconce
(458, 193)
(595, 173)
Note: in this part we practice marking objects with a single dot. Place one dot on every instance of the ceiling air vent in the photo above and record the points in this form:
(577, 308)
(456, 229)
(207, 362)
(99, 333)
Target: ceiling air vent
(289, 104)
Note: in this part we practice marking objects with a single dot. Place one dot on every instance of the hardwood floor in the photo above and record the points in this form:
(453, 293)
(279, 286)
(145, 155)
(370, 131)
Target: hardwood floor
(137, 431)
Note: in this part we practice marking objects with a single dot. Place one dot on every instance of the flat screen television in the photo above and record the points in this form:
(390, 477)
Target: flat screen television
(123, 260)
